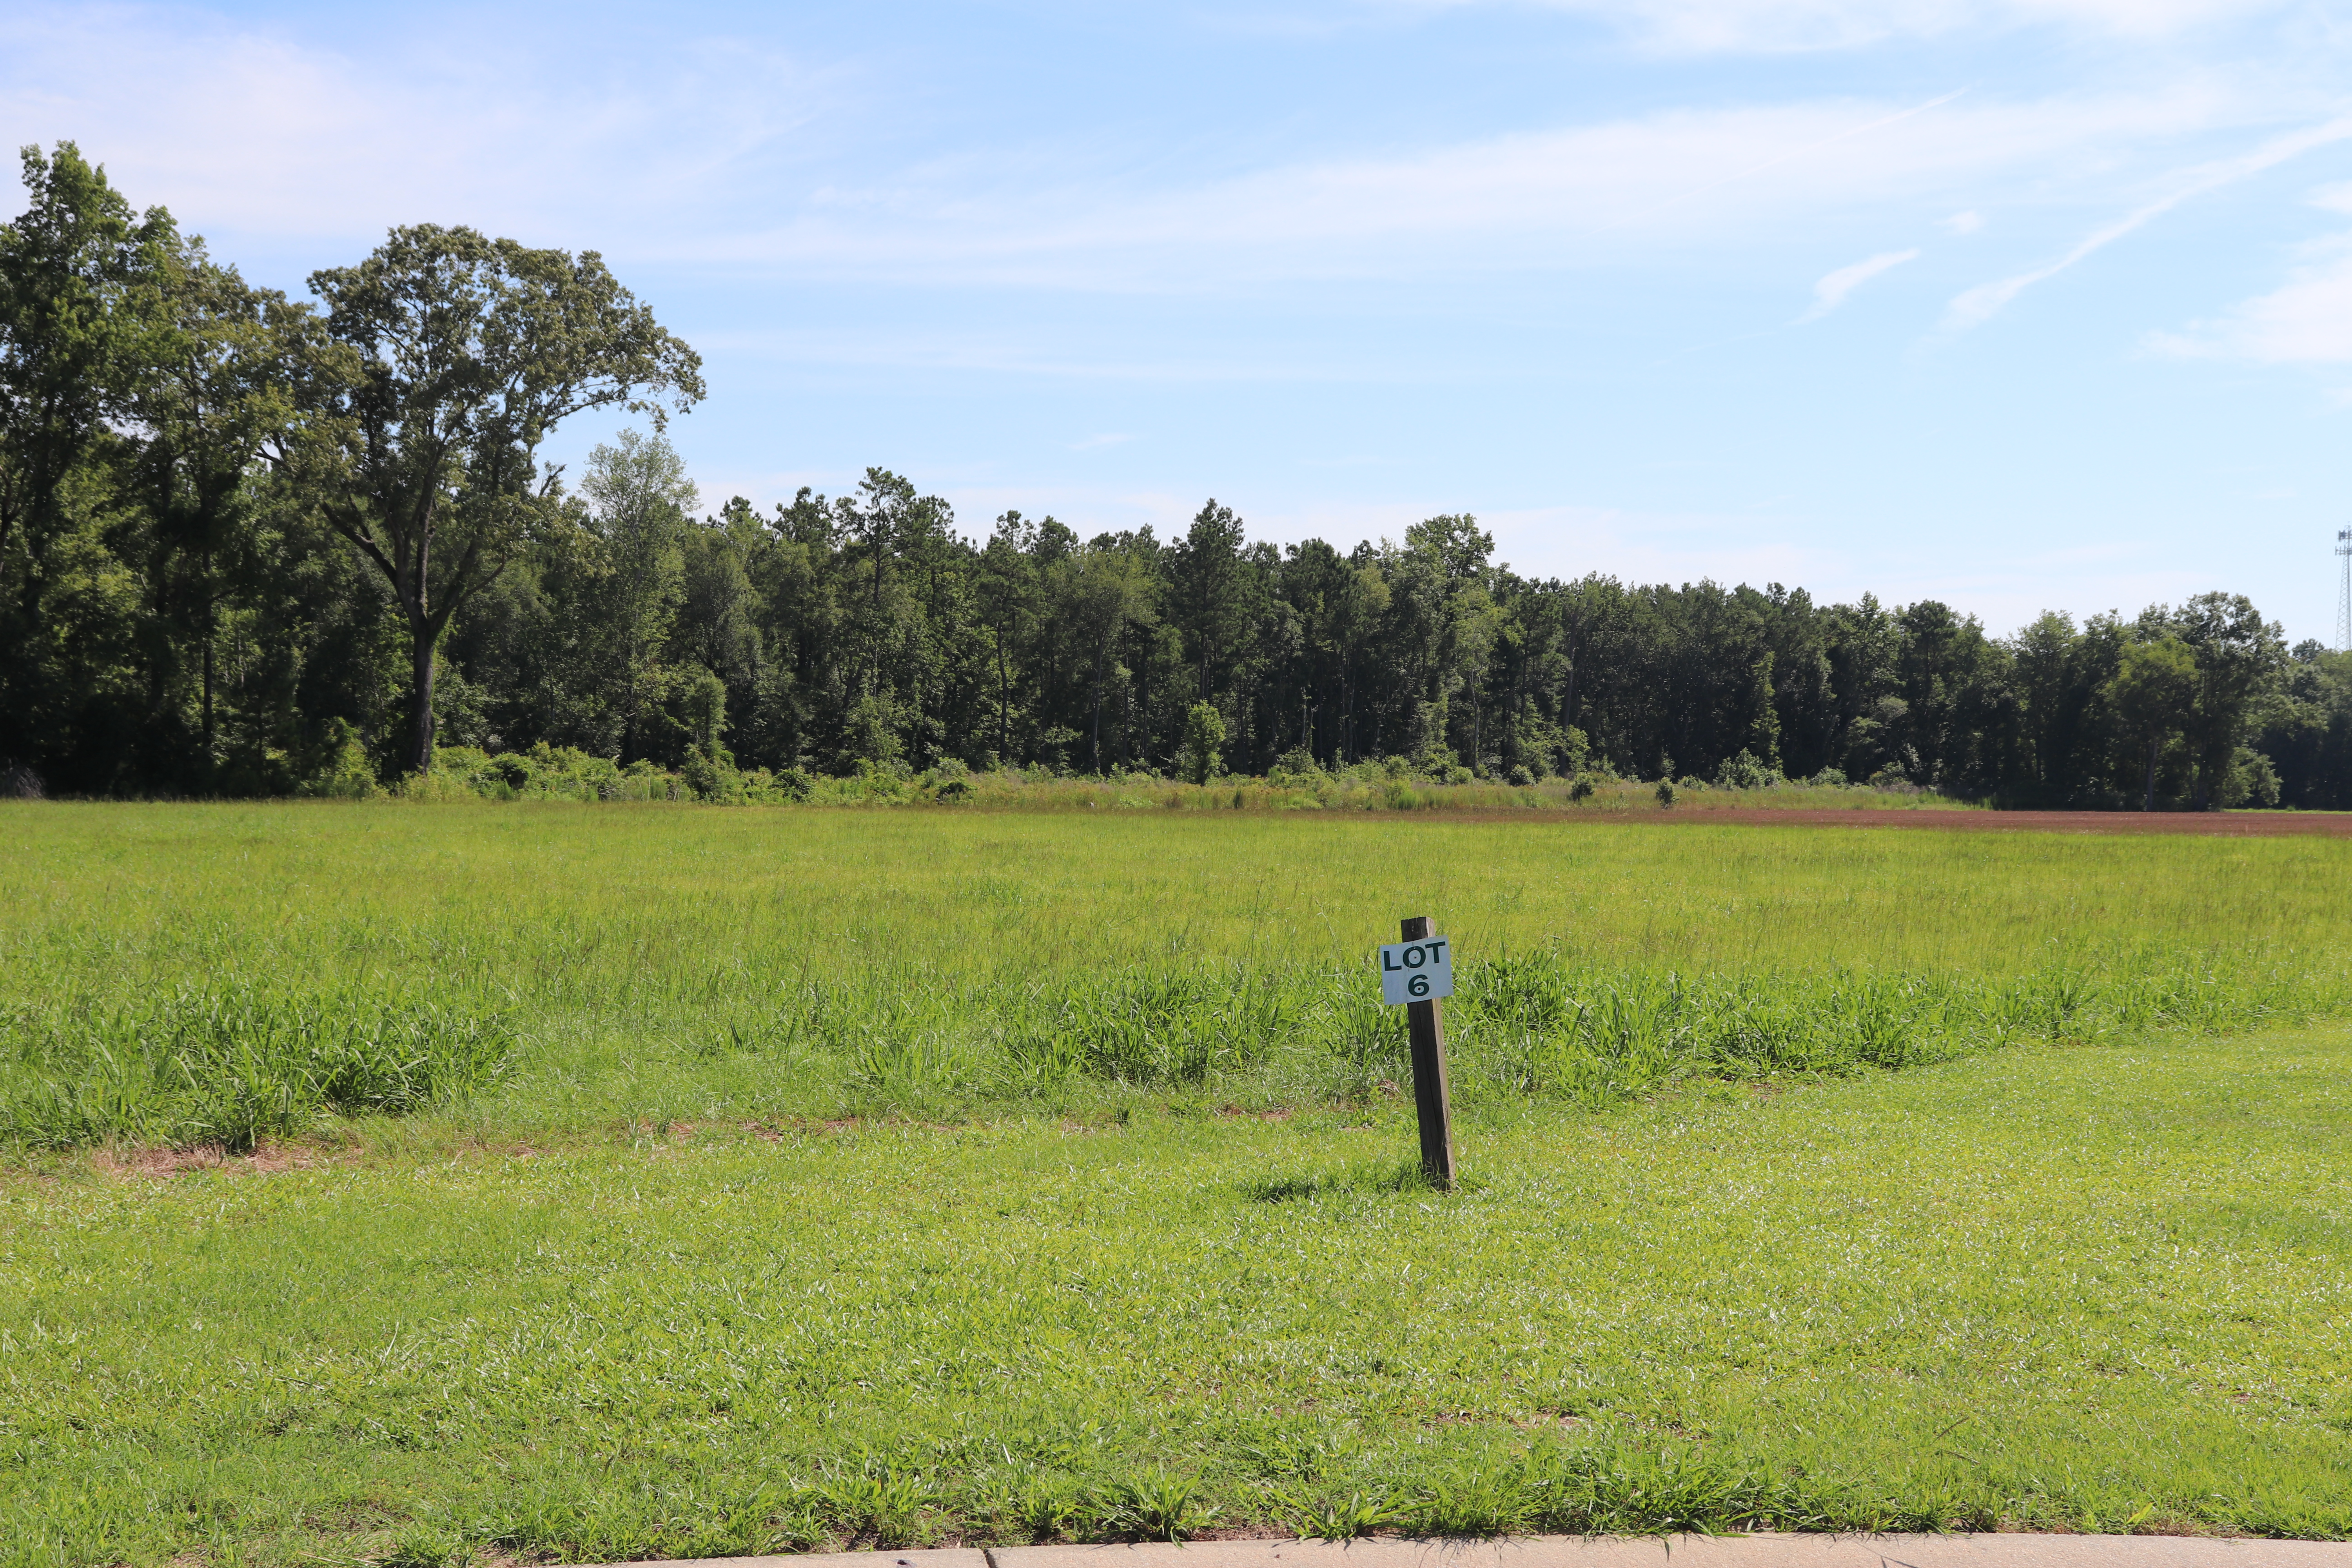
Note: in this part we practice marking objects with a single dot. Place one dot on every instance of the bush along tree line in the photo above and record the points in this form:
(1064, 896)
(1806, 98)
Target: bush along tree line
(253, 545)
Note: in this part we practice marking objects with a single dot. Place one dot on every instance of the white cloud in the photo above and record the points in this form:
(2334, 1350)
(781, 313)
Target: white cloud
(1546, 199)
(2306, 322)
(688, 158)
(1832, 291)
(248, 128)
(1095, 443)
(1961, 223)
(1981, 303)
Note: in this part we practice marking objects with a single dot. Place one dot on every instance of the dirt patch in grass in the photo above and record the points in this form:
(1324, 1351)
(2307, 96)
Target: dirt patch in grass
(162, 1165)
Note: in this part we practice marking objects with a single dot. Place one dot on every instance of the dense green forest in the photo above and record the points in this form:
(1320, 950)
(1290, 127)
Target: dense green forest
(256, 545)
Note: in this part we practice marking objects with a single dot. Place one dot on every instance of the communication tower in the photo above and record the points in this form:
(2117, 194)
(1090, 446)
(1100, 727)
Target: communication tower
(2343, 598)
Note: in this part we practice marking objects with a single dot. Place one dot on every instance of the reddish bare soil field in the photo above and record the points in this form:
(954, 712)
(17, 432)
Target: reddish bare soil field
(2212, 824)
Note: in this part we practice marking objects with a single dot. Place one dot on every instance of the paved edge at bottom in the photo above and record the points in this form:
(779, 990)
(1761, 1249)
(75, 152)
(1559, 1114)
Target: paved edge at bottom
(1610, 1551)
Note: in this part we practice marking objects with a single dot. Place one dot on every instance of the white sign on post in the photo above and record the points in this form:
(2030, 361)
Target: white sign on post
(1416, 971)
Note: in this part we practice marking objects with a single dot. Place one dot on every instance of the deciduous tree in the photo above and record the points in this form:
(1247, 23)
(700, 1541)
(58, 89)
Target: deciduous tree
(2152, 692)
(448, 358)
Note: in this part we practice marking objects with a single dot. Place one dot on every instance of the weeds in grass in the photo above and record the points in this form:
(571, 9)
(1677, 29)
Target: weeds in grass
(908, 1077)
(1042, 1508)
(1148, 1029)
(885, 1506)
(233, 1065)
(675, 1520)
(424, 1546)
(1629, 1488)
(1340, 1519)
(1161, 1505)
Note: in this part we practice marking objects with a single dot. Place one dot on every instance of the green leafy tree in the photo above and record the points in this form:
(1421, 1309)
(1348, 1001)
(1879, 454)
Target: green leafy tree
(1204, 731)
(1208, 591)
(2065, 729)
(718, 619)
(2152, 692)
(1007, 600)
(218, 392)
(2308, 731)
(640, 503)
(2240, 660)
(1764, 728)
(80, 309)
(1443, 621)
(1104, 591)
(448, 358)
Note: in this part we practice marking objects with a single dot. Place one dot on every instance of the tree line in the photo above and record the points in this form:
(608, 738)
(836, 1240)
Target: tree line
(249, 542)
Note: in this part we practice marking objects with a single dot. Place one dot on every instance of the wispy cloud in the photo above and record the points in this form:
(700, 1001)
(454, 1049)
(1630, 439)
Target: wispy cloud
(1961, 223)
(258, 130)
(2306, 321)
(1832, 291)
(1546, 199)
(1096, 443)
(1781, 27)
(722, 153)
(1980, 304)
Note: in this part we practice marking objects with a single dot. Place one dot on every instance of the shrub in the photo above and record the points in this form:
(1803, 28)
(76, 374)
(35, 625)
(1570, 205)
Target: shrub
(1439, 765)
(1745, 771)
(1204, 731)
(1295, 767)
(1665, 793)
(710, 774)
(340, 766)
(2251, 781)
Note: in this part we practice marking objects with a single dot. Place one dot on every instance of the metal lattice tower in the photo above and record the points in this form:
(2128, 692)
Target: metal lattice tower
(2343, 598)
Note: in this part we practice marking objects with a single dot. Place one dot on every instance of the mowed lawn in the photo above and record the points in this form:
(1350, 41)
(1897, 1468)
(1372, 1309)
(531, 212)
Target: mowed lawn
(2094, 1288)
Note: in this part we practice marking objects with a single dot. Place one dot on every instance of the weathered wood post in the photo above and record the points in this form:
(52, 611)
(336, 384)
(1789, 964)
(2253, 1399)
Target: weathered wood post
(1425, 1024)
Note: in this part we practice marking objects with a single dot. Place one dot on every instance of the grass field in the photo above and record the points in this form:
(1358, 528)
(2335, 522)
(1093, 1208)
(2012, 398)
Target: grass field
(652, 1181)
(225, 973)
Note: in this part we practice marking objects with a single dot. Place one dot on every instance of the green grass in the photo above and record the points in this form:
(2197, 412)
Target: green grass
(668, 1182)
(2088, 1289)
(600, 963)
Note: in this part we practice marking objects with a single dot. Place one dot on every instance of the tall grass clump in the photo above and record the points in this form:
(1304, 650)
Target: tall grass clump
(1148, 1029)
(1536, 1027)
(230, 1066)
(233, 1065)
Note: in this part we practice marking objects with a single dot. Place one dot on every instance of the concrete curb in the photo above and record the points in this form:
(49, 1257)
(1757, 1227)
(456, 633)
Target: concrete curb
(1614, 1552)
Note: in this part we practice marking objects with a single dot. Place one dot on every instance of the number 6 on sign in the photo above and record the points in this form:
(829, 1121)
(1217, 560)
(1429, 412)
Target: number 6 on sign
(1416, 971)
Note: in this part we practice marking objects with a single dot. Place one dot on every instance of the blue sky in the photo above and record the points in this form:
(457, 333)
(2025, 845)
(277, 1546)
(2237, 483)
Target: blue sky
(2046, 304)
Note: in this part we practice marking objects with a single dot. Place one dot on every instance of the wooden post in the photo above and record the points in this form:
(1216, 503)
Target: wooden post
(1426, 1026)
